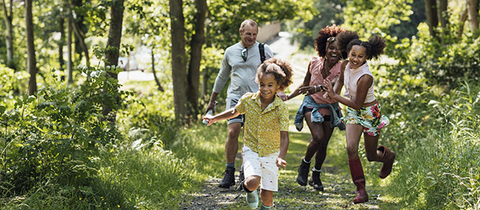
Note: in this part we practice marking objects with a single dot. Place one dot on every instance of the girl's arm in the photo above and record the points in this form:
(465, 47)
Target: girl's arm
(228, 114)
(337, 88)
(306, 82)
(284, 141)
(362, 87)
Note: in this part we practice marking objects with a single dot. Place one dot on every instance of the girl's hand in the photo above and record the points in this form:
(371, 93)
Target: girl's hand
(281, 163)
(329, 87)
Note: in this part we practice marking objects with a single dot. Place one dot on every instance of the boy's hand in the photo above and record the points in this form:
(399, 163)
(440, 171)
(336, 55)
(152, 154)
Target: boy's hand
(281, 163)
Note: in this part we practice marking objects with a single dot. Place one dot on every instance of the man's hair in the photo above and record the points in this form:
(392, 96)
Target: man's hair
(249, 22)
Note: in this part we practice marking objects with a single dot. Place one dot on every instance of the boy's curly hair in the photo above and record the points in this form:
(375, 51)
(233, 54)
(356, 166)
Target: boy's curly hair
(280, 69)
(323, 35)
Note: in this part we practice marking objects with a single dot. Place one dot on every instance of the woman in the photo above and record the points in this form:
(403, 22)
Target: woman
(321, 114)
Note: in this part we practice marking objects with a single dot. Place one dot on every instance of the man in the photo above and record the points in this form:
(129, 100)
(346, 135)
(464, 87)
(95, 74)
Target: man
(240, 61)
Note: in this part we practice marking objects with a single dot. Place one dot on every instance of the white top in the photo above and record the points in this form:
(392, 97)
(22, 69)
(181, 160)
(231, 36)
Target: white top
(242, 73)
(350, 80)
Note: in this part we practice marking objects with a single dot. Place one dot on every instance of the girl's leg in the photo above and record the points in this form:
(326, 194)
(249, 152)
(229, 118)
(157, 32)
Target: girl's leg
(267, 197)
(353, 133)
(322, 149)
(371, 144)
(315, 180)
(318, 136)
(380, 154)
(316, 130)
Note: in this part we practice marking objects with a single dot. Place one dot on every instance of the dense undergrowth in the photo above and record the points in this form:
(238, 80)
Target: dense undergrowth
(58, 152)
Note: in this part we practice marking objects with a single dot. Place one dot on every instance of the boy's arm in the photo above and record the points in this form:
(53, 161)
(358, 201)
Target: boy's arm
(284, 141)
(228, 114)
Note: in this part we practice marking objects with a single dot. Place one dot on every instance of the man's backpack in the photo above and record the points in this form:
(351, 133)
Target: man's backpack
(261, 48)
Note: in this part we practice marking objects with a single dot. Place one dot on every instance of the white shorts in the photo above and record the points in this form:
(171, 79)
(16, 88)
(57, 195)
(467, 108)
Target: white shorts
(264, 167)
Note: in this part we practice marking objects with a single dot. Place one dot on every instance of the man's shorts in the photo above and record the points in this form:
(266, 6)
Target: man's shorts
(264, 167)
(231, 102)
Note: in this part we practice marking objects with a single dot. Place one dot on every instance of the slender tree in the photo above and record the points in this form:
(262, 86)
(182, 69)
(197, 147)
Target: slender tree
(160, 88)
(113, 46)
(432, 18)
(179, 71)
(8, 17)
(196, 44)
(32, 61)
(472, 6)
(69, 47)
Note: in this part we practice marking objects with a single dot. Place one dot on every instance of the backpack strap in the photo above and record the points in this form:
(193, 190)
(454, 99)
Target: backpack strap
(261, 48)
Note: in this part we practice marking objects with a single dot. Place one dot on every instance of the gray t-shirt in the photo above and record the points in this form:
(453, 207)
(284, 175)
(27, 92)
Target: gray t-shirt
(242, 73)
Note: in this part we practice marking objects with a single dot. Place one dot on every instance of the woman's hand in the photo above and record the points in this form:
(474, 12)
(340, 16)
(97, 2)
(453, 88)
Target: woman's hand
(282, 96)
(308, 90)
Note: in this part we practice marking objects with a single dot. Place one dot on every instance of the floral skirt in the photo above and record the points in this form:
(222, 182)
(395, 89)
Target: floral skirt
(369, 117)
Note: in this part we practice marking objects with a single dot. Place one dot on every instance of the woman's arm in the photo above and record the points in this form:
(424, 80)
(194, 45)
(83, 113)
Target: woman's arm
(306, 82)
(228, 114)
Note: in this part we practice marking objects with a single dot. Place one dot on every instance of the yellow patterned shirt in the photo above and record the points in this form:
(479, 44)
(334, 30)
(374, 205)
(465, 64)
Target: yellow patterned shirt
(262, 128)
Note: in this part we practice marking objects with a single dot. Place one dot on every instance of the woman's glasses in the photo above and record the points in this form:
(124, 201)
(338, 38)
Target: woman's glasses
(244, 54)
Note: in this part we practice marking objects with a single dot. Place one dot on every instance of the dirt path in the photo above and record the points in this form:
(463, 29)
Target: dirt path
(339, 189)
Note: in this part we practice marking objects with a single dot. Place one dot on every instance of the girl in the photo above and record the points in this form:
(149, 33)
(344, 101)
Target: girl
(266, 131)
(321, 114)
(363, 109)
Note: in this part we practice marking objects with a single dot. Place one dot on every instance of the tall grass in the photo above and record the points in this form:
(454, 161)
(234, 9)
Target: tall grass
(438, 145)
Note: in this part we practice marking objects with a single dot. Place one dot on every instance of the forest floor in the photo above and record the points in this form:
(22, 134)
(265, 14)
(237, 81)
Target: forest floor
(339, 189)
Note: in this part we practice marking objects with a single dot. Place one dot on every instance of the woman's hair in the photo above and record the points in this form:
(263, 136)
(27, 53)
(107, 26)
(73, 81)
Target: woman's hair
(323, 35)
(373, 48)
(281, 70)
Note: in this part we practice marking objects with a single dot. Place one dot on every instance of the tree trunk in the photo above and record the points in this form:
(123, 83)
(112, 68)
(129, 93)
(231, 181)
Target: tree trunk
(80, 36)
(179, 71)
(69, 48)
(32, 61)
(443, 13)
(463, 18)
(61, 43)
(160, 88)
(114, 35)
(472, 6)
(432, 18)
(198, 39)
(8, 16)
(113, 47)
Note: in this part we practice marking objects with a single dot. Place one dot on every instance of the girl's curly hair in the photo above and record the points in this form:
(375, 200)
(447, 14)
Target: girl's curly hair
(280, 69)
(373, 47)
(323, 35)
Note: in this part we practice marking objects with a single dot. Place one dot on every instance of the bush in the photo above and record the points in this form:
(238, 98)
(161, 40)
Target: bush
(53, 136)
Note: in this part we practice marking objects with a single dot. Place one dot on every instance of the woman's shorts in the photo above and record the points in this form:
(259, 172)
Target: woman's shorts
(369, 117)
(264, 167)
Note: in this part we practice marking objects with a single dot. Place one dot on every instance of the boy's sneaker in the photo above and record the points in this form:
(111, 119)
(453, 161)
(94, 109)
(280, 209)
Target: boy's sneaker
(252, 199)
(229, 178)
